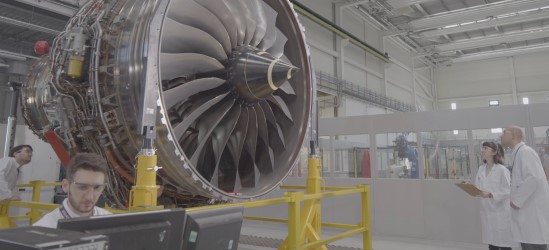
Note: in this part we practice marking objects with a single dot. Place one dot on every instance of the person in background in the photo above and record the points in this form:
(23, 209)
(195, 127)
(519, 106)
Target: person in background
(493, 178)
(84, 184)
(9, 170)
(529, 193)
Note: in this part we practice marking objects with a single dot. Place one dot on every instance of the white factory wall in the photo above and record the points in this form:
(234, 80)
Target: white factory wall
(394, 79)
(508, 80)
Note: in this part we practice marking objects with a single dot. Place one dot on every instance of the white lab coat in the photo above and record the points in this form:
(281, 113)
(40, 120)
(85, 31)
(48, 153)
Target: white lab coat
(495, 213)
(530, 192)
(8, 177)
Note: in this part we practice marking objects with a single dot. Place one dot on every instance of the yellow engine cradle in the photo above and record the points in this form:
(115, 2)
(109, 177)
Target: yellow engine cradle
(310, 223)
(143, 195)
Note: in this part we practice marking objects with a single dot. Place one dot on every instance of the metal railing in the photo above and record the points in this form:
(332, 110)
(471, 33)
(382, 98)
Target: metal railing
(35, 206)
(296, 216)
(296, 213)
(344, 87)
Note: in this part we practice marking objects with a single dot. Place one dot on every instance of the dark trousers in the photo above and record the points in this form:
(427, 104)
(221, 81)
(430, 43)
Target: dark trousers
(527, 246)
(492, 247)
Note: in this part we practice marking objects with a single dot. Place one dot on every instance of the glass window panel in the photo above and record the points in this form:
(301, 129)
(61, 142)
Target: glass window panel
(346, 156)
(446, 155)
(397, 155)
(541, 135)
(324, 146)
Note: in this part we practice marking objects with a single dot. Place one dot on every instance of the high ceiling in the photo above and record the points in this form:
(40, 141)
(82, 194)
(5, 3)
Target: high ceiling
(451, 31)
(440, 32)
(24, 22)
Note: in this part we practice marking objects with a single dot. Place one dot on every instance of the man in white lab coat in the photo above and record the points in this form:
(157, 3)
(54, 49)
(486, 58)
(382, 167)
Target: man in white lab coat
(9, 170)
(529, 193)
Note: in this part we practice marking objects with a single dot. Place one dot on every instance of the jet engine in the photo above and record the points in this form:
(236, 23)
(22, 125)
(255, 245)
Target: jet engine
(229, 82)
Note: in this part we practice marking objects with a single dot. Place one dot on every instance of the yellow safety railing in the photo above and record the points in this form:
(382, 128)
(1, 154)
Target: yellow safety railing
(296, 215)
(35, 206)
(304, 222)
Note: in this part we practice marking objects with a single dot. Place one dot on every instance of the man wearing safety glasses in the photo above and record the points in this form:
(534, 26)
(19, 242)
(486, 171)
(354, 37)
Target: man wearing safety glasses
(84, 185)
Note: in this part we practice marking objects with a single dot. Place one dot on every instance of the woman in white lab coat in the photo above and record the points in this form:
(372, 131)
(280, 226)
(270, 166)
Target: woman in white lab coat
(495, 214)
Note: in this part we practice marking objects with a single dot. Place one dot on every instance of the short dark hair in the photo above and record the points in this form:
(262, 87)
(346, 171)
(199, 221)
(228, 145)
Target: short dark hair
(18, 149)
(87, 161)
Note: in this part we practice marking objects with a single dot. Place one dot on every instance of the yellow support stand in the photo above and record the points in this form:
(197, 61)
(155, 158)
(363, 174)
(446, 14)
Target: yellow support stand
(143, 195)
(5, 221)
(308, 222)
(35, 214)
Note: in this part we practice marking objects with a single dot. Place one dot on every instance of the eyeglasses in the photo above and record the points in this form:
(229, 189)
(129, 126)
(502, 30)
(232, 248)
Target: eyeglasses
(84, 187)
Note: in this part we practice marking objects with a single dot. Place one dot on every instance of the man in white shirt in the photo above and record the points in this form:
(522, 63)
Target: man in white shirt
(84, 185)
(9, 170)
(529, 193)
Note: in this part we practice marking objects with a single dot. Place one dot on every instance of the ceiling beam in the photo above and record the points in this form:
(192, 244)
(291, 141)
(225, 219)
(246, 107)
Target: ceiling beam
(402, 4)
(502, 53)
(27, 25)
(486, 24)
(345, 4)
(13, 56)
(52, 6)
(475, 13)
(495, 40)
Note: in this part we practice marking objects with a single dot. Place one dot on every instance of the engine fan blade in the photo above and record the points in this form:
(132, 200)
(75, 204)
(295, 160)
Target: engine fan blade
(276, 137)
(221, 135)
(185, 64)
(277, 49)
(223, 13)
(264, 161)
(250, 143)
(190, 13)
(175, 95)
(236, 141)
(287, 88)
(184, 125)
(181, 38)
(251, 135)
(239, 18)
(223, 131)
(207, 125)
(261, 23)
(270, 37)
(246, 6)
(280, 104)
(261, 123)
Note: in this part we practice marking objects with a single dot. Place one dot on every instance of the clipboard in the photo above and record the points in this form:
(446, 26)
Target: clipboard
(471, 189)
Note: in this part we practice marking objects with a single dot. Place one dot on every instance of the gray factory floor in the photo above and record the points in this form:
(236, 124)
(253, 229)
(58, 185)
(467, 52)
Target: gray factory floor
(267, 236)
